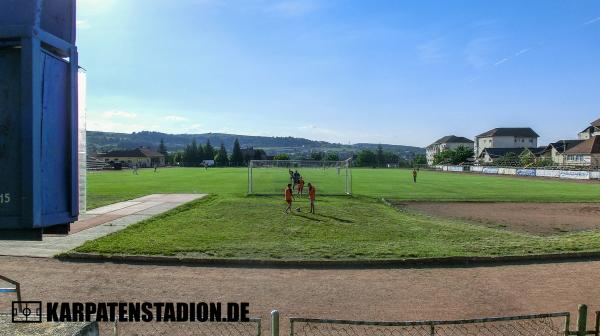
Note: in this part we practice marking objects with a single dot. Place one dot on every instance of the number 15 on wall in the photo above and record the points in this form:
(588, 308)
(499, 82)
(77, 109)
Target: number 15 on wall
(4, 198)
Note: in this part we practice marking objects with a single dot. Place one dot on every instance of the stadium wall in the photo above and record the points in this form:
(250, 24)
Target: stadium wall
(532, 172)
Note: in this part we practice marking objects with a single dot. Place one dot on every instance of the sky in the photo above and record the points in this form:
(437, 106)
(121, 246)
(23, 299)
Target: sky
(345, 71)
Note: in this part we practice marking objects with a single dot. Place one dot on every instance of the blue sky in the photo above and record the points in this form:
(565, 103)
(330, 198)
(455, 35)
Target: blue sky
(399, 72)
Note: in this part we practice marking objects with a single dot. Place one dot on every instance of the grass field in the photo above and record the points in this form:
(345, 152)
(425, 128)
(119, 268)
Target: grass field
(230, 224)
(113, 186)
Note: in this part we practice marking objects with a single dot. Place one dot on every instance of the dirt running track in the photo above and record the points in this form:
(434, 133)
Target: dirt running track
(378, 294)
(535, 218)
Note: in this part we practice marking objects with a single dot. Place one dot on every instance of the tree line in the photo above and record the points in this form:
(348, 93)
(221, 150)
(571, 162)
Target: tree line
(453, 156)
(381, 158)
(195, 155)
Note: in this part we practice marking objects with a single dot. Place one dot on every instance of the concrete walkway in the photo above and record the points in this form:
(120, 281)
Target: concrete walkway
(97, 223)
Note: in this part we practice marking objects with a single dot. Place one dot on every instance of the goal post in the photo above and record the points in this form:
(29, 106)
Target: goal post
(270, 177)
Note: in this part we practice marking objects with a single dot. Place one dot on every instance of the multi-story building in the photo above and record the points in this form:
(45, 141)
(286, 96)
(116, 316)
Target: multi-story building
(514, 137)
(447, 142)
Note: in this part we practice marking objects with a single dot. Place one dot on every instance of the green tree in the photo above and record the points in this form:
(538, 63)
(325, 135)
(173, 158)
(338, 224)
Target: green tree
(177, 158)
(259, 154)
(461, 154)
(162, 148)
(508, 160)
(526, 158)
(282, 156)
(221, 158)
(453, 156)
(366, 158)
(420, 159)
(380, 156)
(237, 158)
(389, 157)
(199, 156)
(333, 156)
(209, 151)
(189, 154)
(316, 156)
(442, 157)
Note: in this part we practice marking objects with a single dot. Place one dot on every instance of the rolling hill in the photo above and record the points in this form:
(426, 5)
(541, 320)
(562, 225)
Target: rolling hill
(105, 141)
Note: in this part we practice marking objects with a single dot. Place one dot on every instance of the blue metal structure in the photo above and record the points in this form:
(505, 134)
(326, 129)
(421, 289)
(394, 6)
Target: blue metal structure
(38, 118)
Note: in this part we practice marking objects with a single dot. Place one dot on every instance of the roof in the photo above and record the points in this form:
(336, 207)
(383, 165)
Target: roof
(452, 139)
(498, 152)
(561, 144)
(595, 123)
(138, 152)
(589, 146)
(510, 131)
(538, 150)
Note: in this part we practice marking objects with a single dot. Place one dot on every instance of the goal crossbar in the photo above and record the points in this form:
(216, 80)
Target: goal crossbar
(270, 177)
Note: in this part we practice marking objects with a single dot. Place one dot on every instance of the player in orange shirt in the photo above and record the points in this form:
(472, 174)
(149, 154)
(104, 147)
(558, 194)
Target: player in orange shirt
(311, 195)
(289, 197)
(301, 186)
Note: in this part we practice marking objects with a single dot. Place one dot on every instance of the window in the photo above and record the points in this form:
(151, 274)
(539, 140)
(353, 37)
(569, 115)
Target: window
(576, 158)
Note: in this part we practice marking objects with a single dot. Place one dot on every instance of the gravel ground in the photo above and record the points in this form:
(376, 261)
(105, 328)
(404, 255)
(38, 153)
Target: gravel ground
(373, 294)
(535, 218)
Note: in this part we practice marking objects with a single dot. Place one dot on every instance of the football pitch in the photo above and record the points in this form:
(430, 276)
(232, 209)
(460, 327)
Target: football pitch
(229, 224)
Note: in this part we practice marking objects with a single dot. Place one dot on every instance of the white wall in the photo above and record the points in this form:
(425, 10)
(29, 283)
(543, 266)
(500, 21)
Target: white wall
(504, 142)
(437, 148)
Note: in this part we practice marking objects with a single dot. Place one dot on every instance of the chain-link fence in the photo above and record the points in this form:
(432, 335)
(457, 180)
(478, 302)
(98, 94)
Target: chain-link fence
(8, 327)
(554, 324)
(251, 328)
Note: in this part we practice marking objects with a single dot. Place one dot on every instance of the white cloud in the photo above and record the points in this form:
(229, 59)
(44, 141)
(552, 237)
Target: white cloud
(505, 59)
(592, 21)
(175, 118)
(194, 128)
(522, 51)
(119, 114)
(118, 127)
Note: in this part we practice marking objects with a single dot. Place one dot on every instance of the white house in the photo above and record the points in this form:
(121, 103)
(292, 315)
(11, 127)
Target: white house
(141, 157)
(513, 137)
(447, 142)
(587, 153)
(556, 151)
(590, 131)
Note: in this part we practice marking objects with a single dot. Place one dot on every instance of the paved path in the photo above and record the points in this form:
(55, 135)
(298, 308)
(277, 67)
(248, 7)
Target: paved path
(97, 223)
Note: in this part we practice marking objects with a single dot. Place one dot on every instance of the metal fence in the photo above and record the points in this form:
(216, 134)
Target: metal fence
(251, 328)
(551, 324)
(527, 325)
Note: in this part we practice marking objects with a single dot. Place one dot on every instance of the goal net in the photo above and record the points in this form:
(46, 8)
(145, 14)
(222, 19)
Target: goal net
(270, 177)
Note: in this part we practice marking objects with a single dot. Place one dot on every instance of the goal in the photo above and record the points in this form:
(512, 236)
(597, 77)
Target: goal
(270, 177)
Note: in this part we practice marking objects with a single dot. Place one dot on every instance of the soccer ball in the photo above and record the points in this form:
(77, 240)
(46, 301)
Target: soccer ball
(298, 209)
